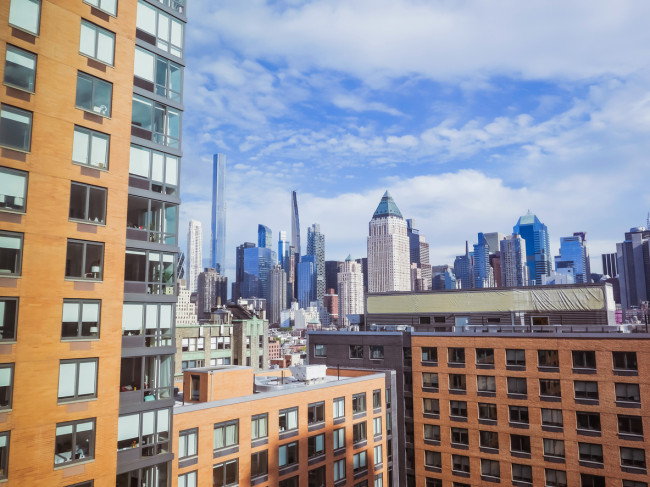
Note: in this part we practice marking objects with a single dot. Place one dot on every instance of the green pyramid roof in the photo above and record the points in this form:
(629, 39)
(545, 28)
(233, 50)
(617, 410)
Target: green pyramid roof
(349, 259)
(387, 207)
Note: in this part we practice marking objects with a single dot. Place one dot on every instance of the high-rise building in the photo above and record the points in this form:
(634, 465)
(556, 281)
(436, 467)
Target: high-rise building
(194, 253)
(609, 265)
(463, 269)
(316, 247)
(574, 254)
(306, 280)
(388, 249)
(331, 274)
(218, 223)
(482, 270)
(493, 239)
(277, 293)
(283, 250)
(295, 223)
(212, 291)
(239, 270)
(633, 262)
(514, 271)
(419, 252)
(495, 264)
(538, 247)
(257, 265)
(363, 262)
(350, 285)
(185, 308)
(264, 237)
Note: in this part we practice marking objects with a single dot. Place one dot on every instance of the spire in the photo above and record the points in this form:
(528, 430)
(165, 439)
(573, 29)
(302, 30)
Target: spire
(387, 207)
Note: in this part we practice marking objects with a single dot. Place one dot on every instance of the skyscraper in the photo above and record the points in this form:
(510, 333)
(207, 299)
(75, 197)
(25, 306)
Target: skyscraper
(463, 269)
(212, 291)
(239, 270)
(609, 265)
(514, 271)
(574, 254)
(538, 247)
(350, 285)
(277, 293)
(316, 247)
(258, 262)
(283, 250)
(264, 237)
(295, 224)
(482, 270)
(331, 274)
(388, 249)
(419, 252)
(194, 254)
(218, 225)
(633, 261)
(306, 280)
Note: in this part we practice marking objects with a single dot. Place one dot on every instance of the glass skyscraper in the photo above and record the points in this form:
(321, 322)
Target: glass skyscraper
(264, 236)
(538, 247)
(306, 280)
(575, 254)
(218, 224)
(258, 262)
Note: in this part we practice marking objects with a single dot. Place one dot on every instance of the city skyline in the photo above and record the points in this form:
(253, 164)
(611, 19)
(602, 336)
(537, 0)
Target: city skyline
(457, 135)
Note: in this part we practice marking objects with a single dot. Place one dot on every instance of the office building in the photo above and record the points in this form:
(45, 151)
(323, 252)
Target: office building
(419, 254)
(212, 291)
(304, 426)
(363, 262)
(277, 293)
(495, 264)
(514, 271)
(316, 247)
(463, 269)
(388, 249)
(331, 274)
(239, 269)
(264, 237)
(218, 222)
(633, 262)
(481, 269)
(194, 254)
(257, 264)
(538, 247)
(574, 254)
(610, 267)
(350, 284)
(284, 247)
(306, 280)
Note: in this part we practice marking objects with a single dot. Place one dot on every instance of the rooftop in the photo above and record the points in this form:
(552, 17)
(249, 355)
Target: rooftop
(387, 207)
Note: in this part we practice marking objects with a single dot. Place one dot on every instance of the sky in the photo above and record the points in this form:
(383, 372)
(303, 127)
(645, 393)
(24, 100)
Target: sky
(470, 113)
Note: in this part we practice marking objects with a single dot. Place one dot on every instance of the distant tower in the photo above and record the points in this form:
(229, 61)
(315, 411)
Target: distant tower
(316, 247)
(194, 254)
(514, 271)
(306, 280)
(212, 290)
(388, 249)
(419, 252)
(218, 227)
(350, 285)
(538, 247)
(574, 254)
(277, 293)
(295, 223)
(264, 237)
(482, 268)
(463, 269)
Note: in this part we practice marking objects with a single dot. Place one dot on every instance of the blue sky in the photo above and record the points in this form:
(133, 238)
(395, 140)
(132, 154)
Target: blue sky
(469, 112)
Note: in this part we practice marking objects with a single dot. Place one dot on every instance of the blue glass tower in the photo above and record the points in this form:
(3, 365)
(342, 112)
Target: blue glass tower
(538, 247)
(575, 254)
(306, 280)
(463, 269)
(258, 262)
(218, 224)
(482, 263)
(264, 237)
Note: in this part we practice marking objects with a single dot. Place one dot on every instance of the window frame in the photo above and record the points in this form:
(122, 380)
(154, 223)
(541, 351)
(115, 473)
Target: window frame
(284, 413)
(461, 461)
(291, 447)
(161, 136)
(259, 460)
(548, 355)
(519, 410)
(485, 356)
(359, 432)
(360, 459)
(86, 244)
(489, 407)
(590, 457)
(552, 412)
(157, 87)
(519, 476)
(316, 413)
(184, 447)
(338, 438)
(73, 444)
(97, 31)
(312, 445)
(226, 468)
(92, 135)
(549, 384)
(26, 53)
(255, 426)
(95, 81)
(580, 359)
(155, 185)
(589, 417)
(25, 148)
(9, 394)
(184, 479)
(38, 20)
(556, 448)
(516, 361)
(626, 398)
(99, 7)
(457, 406)
(4, 317)
(221, 429)
(454, 355)
(489, 386)
(86, 210)
(625, 357)
(338, 467)
(80, 314)
(174, 50)
(76, 397)
(166, 283)
(358, 401)
(320, 350)
(358, 351)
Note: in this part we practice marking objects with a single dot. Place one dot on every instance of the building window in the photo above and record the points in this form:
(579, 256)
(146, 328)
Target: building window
(154, 321)
(187, 479)
(80, 319)
(13, 189)
(587, 421)
(75, 441)
(376, 352)
(429, 354)
(338, 439)
(6, 386)
(151, 374)
(584, 359)
(456, 356)
(487, 411)
(432, 459)
(259, 426)
(290, 482)
(360, 461)
(339, 407)
(522, 473)
(432, 432)
(165, 30)
(485, 356)
(359, 432)
(288, 454)
(459, 436)
(625, 361)
(316, 445)
(552, 417)
(458, 408)
(187, 443)
(457, 382)
(430, 380)
(316, 477)
(160, 171)
(517, 385)
(430, 406)
(489, 439)
(316, 413)
(226, 474)
(226, 434)
(520, 443)
(630, 425)
(320, 350)
(634, 483)
(585, 389)
(25, 15)
(550, 388)
(590, 452)
(156, 270)
(8, 318)
(632, 457)
(108, 6)
(288, 419)
(587, 480)
(20, 69)
(460, 463)
(90, 148)
(555, 478)
(627, 392)
(431, 482)
(259, 464)
(162, 76)
(516, 357)
(486, 383)
(87, 203)
(553, 448)
(548, 358)
(77, 379)
(84, 260)
(339, 470)
(356, 351)
(94, 94)
(518, 414)
(15, 128)
(156, 122)
(11, 250)
(376, 399)
(490, 468)
(359, 403)
(376, 426)
(96, 43)
(4, 454)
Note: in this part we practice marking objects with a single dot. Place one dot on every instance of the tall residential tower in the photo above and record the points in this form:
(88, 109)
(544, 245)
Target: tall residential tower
(218, 223)
(316, 247)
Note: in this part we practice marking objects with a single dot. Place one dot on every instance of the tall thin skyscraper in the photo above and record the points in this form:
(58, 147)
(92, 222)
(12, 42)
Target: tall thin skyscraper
(350, 286)
(389, 267)
(538, 247)
(277, 293)
(295, 223)
(218, 226)
(264, 237)
(194, 254)
(316, 247)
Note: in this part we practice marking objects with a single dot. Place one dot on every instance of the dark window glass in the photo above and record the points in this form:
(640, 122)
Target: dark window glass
(84, 260)
(356, 351)
(6, 388)
(458, 408)
(584, 359)
(429, 354)
(15, 128)
(87, 203)
(485, 356)
(225, 474)
(516, 357)
(587, 421)
(520, 443)
(628, 392)
(456, 356)
(316, 413)
(550, 387)
(489, 439)
(624, 360)
(591, 452)
(487, 411)
(552, 417)
(585, 389)
(517, 385)
(8, 318)
(518, 414)
(630, 425)
(459, 436)
(548, 358)
(94, 94)
(75, 442)
(259, 463)
(554, 448)
(11, 253)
